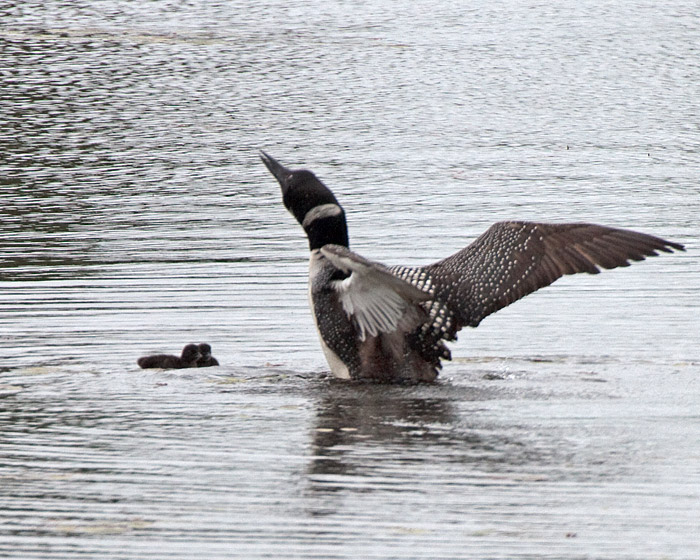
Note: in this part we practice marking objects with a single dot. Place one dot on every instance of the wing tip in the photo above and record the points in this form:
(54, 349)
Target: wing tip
(671, 246)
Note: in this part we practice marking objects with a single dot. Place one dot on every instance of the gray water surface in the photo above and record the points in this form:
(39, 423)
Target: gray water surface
(136, 217)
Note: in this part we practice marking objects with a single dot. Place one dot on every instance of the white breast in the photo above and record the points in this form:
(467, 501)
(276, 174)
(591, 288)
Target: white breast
(338, 368)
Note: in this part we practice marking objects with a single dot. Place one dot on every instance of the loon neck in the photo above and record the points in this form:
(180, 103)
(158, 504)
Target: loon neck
(327, 230)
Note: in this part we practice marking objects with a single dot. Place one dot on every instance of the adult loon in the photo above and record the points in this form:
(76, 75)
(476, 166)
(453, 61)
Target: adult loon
(390, 324)
(188, 359)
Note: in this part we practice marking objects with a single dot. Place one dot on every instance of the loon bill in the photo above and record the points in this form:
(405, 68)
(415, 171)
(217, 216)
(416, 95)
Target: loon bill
(390, 324)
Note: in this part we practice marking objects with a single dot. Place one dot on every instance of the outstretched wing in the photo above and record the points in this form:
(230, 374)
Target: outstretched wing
(373, 298)
(513, 259)
(509, 261)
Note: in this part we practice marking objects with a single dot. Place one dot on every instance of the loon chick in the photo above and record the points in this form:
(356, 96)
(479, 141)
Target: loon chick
(391, 324)
(188, 359)
(205, 358)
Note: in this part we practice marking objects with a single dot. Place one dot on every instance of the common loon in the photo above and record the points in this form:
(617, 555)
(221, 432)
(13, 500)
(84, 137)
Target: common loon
(205, 358)
(390, 324)
(188, 359)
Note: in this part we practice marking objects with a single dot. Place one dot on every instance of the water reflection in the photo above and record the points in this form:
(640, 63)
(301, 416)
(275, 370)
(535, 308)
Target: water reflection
(355, 416)
(361, 430)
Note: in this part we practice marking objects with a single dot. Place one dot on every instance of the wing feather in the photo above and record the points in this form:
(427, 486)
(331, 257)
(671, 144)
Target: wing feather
(373, 298)
(513, 259)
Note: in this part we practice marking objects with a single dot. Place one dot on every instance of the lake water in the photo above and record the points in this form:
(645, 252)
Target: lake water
(136, 217)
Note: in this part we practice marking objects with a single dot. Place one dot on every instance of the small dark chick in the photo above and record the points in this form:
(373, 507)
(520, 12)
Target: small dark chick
(188, 359)
(205, 358)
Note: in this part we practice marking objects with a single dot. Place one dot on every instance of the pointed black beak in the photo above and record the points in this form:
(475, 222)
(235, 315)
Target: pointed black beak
(280, 172)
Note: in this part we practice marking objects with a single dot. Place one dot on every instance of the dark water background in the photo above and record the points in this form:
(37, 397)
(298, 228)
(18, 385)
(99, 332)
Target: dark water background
(137, 217)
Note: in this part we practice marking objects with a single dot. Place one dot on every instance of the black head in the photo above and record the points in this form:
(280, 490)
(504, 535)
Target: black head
(312, 203)
(205, 350)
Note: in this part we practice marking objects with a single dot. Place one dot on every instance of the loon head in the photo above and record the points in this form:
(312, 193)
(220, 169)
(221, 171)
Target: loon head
(312, 203)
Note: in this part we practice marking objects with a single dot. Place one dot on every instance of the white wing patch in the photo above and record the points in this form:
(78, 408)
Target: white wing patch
(376, 300)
